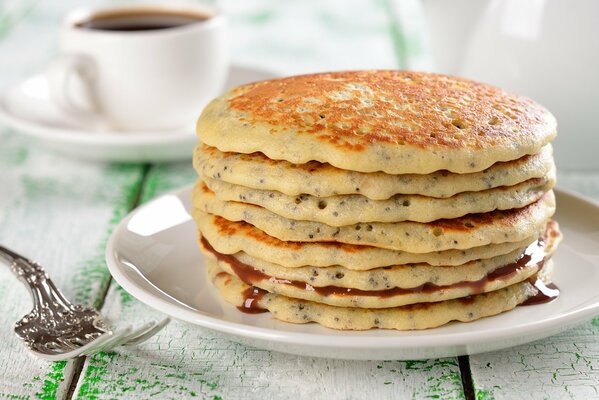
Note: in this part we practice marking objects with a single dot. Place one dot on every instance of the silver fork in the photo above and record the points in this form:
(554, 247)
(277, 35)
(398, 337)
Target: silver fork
(57, 329)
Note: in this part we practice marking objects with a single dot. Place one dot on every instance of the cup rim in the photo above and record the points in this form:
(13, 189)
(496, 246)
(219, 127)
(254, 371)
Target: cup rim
(81, 14)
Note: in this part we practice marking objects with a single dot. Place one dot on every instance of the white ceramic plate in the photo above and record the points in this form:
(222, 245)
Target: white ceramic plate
(26, 108)
(153, 255)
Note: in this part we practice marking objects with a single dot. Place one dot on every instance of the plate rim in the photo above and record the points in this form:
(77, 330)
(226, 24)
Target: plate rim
(340, 339)
(80, 136)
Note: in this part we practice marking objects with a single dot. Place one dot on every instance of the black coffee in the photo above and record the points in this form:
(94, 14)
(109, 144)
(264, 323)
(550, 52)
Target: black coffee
(141, 20)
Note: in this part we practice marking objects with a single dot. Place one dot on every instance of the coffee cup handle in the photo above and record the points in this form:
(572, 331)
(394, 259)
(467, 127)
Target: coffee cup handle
(61, 75)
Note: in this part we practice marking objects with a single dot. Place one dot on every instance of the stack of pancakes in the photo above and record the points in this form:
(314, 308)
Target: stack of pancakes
(376, 199)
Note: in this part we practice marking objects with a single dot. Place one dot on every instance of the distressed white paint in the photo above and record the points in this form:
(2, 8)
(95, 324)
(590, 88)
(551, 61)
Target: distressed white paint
(53, 209)
(57, 211)
(562, 366)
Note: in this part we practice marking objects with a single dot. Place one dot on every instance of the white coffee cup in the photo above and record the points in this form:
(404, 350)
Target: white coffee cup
(139, 79)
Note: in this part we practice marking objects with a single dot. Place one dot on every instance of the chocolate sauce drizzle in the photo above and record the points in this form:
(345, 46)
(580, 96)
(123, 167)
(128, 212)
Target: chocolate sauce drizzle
(251, 297)
(547, 292)
(533, 255)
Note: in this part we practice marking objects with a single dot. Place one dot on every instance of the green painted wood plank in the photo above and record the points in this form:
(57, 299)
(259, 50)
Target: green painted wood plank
(189, 362)
(59, 211)
(558, 367)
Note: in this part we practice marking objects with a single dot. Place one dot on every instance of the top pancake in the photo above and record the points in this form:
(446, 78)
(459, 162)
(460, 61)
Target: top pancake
(397, 122)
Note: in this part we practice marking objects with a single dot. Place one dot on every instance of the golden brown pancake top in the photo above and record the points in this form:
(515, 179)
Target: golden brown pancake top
(353, 110)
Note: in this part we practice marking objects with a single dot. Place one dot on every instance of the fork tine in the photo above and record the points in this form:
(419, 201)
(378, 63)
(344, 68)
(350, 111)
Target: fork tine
(127, 337)
(76, 352)
(99, 341)
(91, 347)
(133, 334)
(108, 344)
(148, 334)
(139, 331)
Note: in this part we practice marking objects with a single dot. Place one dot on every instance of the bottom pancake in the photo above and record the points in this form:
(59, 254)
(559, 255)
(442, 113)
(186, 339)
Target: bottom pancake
(411, 317)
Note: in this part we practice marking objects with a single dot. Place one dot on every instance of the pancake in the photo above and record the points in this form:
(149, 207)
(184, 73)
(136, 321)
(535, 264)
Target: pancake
(502, 272)
(230, 237)
(459, 233)
(317, 179)
(411, 317)
(345, 210)
(405, 276)
(397, 122)
(374, 299)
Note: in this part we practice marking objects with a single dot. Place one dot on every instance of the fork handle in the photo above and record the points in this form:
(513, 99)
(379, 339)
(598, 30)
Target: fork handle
(44, 293)
(8, 255)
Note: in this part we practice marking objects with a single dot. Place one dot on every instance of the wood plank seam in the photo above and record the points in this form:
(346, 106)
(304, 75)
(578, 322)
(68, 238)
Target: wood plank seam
(79, 363)
(467, 384)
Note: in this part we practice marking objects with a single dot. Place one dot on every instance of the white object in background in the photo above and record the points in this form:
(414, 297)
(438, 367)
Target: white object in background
(139, 80)
(26, 107)
(153, 254)
(544, 49)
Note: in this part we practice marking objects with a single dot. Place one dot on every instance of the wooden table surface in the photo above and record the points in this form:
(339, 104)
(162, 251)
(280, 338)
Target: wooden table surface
(61, 212)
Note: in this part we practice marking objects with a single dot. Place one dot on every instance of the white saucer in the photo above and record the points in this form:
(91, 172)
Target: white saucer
(26, 108)
(153, 255)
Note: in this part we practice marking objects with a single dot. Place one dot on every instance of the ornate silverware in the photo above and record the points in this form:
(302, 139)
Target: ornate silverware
(55, 328)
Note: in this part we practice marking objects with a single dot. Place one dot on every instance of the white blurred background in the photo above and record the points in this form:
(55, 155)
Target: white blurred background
(545, 49)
